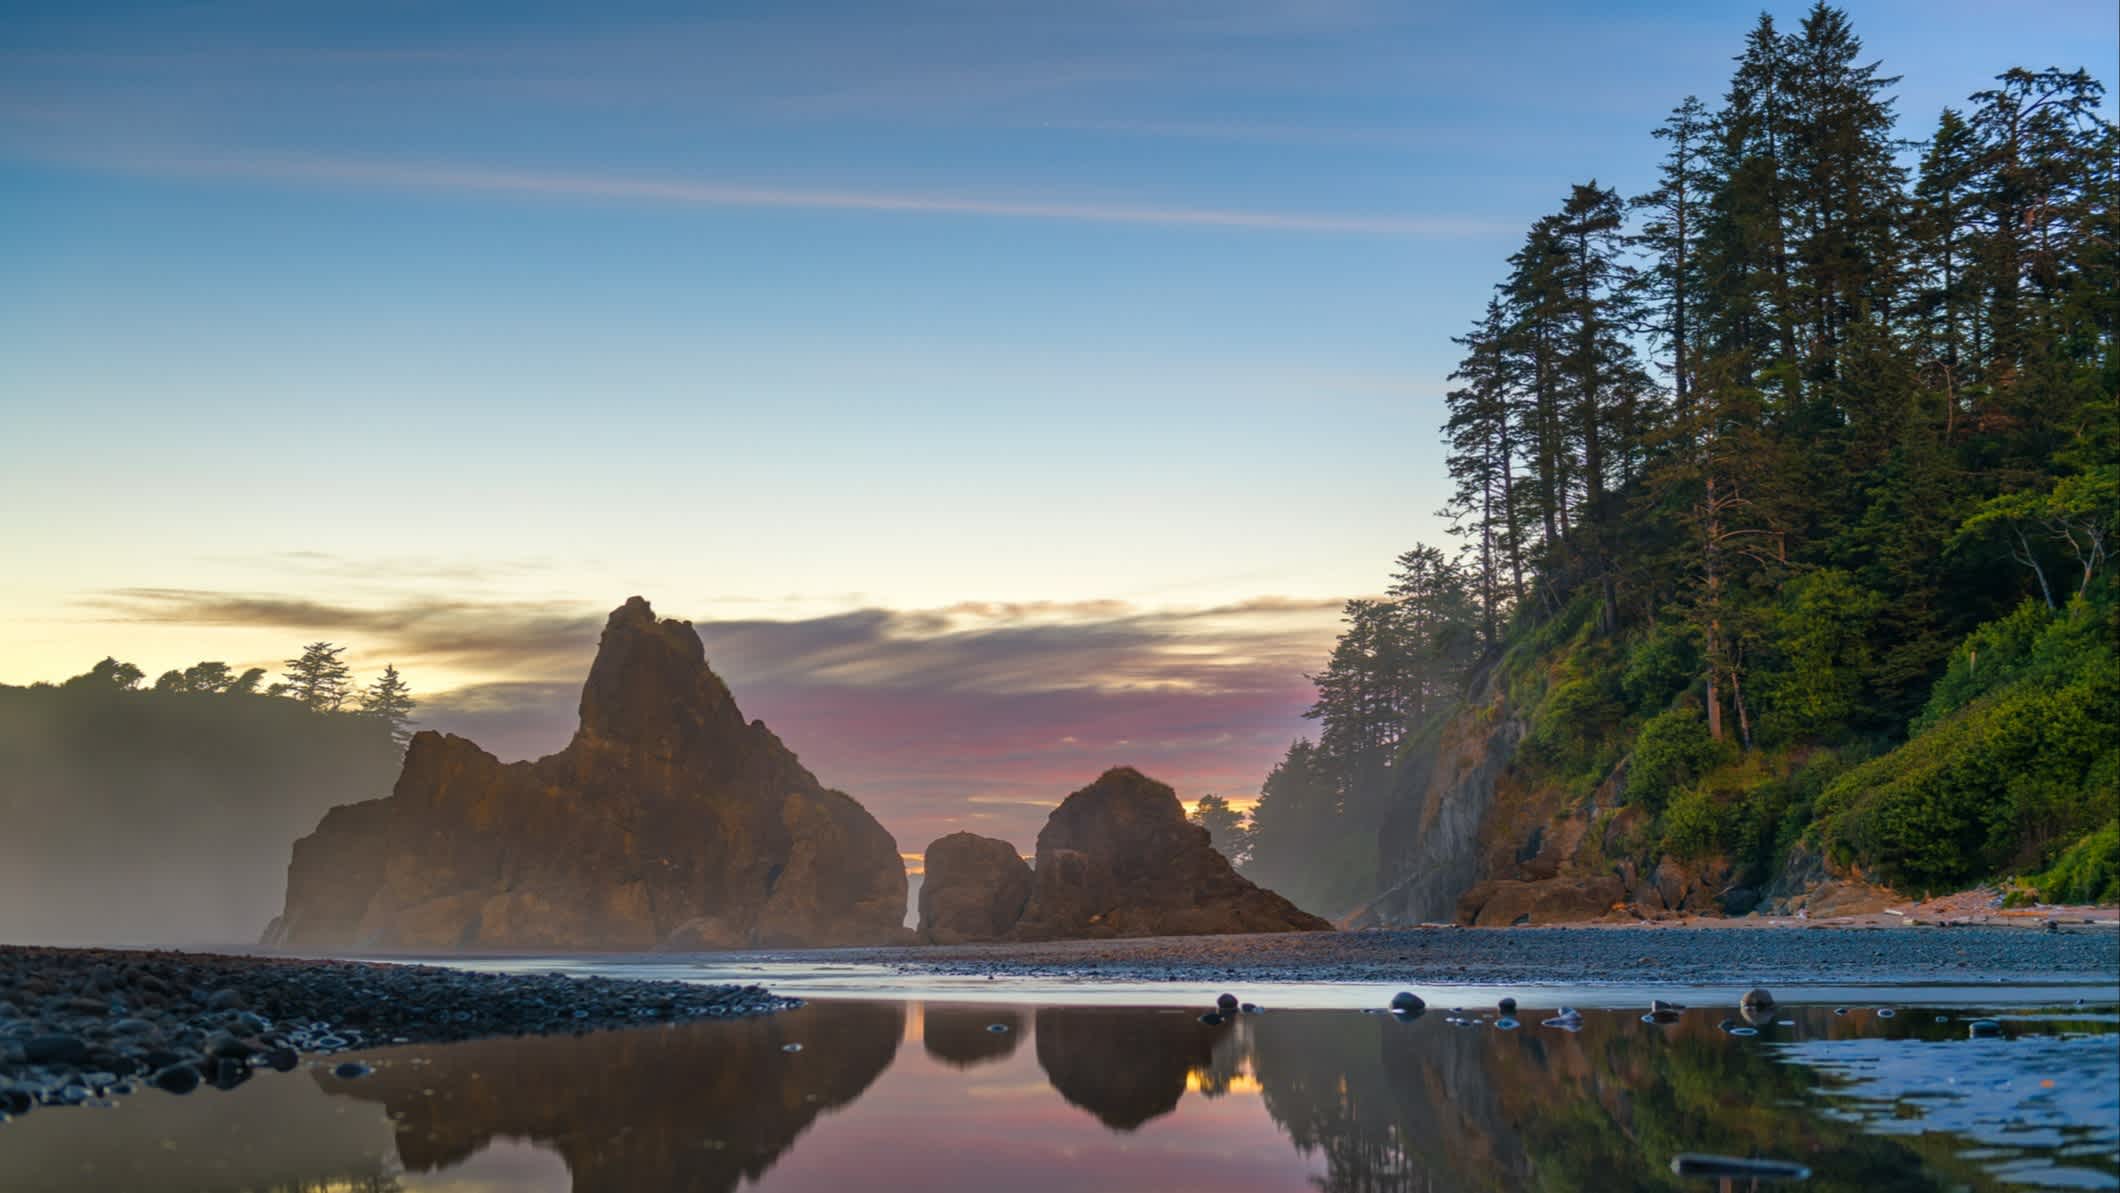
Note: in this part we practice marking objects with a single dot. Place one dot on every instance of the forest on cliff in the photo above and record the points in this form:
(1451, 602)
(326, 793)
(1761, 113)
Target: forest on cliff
(191, 788)
(1785, 493)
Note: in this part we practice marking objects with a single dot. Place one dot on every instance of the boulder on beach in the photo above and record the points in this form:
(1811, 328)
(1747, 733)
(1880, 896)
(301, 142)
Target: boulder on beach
(668, 821)
(1501, 904)
(974, 889)
(1119, 858)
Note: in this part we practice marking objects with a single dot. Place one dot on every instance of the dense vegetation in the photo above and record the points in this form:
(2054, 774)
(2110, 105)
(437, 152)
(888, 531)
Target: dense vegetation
(165, 813)
(1784, 494)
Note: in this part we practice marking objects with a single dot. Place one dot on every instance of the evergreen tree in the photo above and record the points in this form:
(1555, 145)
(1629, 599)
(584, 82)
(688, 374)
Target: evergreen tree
(317, 678)
(1534, 299)
(1296, 815)
(1944, 226)
(1844, 190)
(390, 699)
(1484, 507)
(1670, 241)
(1224, 825)
(1607, 402)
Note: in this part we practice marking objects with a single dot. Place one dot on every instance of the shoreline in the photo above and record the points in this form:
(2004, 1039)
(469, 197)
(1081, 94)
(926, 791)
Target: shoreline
(81, 1026)
(1689, 954)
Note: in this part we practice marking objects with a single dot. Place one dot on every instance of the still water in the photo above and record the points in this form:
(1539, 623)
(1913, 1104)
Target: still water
(848, 1095)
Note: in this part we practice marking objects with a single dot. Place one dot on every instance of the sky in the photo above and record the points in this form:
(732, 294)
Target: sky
(1006, 391)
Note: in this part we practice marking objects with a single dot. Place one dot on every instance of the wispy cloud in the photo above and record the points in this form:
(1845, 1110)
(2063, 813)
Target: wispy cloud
(483, 180)
(978, 714)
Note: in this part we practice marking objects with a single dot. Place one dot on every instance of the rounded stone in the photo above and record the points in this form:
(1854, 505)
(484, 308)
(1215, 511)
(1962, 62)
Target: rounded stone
(1406, 1001)
(176, 1079)
(55, 1050)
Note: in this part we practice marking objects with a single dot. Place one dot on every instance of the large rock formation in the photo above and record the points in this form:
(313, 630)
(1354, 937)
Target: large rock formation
(667, 822)
(1118, 858)
(974, 889)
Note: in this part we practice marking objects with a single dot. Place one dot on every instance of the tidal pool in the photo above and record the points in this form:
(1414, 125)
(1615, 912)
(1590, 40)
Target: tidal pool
(935, 1095)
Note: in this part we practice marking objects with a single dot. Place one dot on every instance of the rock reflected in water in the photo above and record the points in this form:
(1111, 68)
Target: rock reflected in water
(1122, 1098)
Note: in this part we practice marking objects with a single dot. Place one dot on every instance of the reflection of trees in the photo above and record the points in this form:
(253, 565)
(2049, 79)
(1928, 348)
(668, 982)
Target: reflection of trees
(1428, 1106)
(692, 1107)
(1126, 1066)
(958, 1036)
(1391, 1105)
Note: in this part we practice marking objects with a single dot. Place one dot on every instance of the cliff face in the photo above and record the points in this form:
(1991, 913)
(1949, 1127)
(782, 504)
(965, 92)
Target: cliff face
(668, 821)
(1476, 837)
(1430, 850)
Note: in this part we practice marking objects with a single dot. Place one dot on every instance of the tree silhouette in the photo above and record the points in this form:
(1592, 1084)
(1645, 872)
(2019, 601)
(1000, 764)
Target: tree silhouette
(1224, 825)
(110, 673)
(390, 699)
(318, 679)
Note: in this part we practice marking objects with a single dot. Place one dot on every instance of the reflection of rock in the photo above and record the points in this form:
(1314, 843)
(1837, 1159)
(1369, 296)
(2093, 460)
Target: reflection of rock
(668, 820)
(964, 1036)
(697, 1107)
(1118, 858)
(974, 889)
(1500, 904)
(1124, 1066)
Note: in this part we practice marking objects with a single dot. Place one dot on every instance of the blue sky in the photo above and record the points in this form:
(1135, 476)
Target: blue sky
(783, 311)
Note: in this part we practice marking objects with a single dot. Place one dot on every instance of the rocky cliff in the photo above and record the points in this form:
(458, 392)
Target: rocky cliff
(1477, 836)
(1429, 850)
(668, 821)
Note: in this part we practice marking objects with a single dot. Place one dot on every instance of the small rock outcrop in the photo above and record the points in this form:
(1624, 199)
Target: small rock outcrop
(1119, 858)
(974, 889)
(669, 821)
(1501, 904)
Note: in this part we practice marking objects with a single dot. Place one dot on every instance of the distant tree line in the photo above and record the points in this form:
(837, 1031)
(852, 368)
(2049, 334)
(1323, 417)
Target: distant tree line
(317, 679)
(1741, 464)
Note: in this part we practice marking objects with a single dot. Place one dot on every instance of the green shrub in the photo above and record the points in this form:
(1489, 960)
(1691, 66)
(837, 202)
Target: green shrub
(1573, 728)
(1672, 750)
(2088, 873)
(1821, 634)
(1663, 663)
(2031, 643)
(1986, 787)
(1694, 824)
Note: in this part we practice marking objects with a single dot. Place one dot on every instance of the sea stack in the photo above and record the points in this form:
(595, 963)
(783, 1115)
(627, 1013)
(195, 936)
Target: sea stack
(974, 889)
(1119, 858)
(668, 822)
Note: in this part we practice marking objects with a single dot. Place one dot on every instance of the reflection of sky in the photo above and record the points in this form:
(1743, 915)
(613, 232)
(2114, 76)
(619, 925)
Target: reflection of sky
(789, 313)
(2047, 1108)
